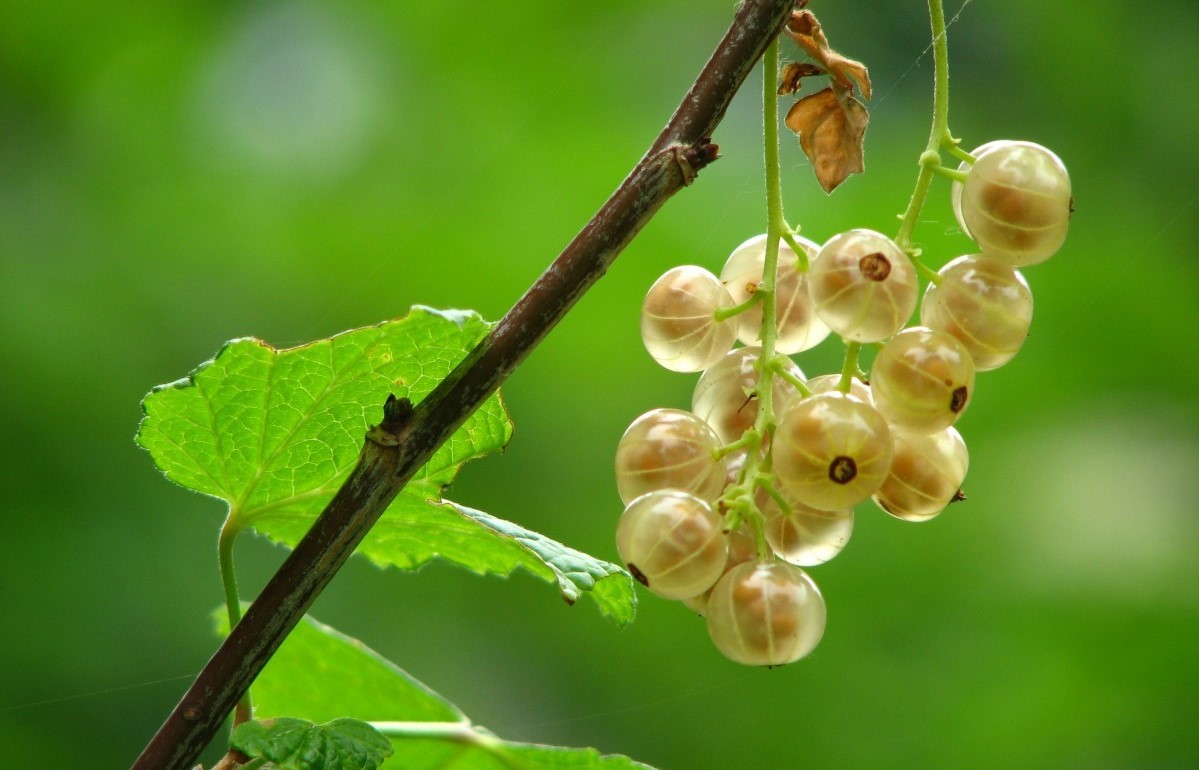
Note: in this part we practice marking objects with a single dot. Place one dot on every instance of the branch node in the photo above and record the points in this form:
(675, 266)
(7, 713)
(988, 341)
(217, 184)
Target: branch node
(693, 157)
(396, 414)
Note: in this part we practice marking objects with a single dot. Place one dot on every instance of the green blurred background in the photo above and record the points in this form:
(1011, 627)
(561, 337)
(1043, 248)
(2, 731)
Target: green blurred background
(176, 174)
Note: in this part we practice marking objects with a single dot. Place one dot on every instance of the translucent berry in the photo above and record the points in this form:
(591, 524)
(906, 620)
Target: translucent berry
(926, 474)
(1015, 202)
(798, 327)
(826, 383)
(955, 189)
(742, 548)
(805, 537)
(985, 304)
(724, 396)
(669, 449)
(862, 286)
(678, 325)
(922, 380)
(766, 614)
(672, 543)
(831, 451)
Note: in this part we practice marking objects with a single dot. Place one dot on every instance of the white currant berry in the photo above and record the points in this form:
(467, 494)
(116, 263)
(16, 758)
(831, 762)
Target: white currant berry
(798, 327)
(922, 380)
(805, 536)
(862, 286)
(831, 451)
(926, 474)
(678, 322)
(766, 613)
(669, 449)
(672, 542)
(955, 189)
(742, 548)
(724, 396)
(1016, 201)
(827, 383)
(985, 304)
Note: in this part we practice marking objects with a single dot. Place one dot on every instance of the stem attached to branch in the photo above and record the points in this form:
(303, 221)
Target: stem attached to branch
(408, 436)
(939, 136)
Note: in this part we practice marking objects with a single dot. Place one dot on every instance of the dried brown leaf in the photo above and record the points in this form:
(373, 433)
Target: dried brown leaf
(805, 30)
(791, 78)
(831, 125)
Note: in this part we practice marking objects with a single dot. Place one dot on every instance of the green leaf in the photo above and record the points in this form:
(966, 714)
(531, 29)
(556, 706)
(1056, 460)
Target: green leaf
(274, 433)
(297, 744)
(319, 673)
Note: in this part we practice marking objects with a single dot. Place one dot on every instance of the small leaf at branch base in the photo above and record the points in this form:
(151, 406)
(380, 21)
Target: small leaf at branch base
(297, 744)
(831, 125)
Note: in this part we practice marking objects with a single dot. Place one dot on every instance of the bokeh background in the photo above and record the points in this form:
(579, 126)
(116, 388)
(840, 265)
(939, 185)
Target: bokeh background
(176, 174)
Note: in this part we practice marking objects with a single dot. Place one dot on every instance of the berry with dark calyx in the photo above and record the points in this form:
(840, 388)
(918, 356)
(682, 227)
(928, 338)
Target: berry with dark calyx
(926, 474)
(669, 449)
(922, 380)
(863, 286)
(985, 304)
(724, 396)
(798, 327)
(673, 543)
(831, 451)
(1015, 202)
(766, 613)
(678, 322)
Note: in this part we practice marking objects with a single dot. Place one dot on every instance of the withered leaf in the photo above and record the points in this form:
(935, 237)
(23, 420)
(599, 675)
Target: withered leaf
(791, 78)
(831, 125)
(805, 29)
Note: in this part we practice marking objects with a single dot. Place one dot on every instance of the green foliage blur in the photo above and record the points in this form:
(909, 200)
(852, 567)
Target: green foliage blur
(173, 175)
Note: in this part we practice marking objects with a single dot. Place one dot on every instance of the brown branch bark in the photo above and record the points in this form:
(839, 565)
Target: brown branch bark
(406, 438)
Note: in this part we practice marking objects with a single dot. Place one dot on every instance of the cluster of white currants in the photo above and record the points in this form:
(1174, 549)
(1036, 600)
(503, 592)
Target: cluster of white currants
(723, 509)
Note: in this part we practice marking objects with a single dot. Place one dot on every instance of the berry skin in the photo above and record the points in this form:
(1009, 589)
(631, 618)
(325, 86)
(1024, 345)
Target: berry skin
(926, 474)
(805, 537)
(1015, 202)
(766, 613)
(672, 543)
(922, 380)
(724, 397)
(831, 451)
(669, 449)
(742, 548)
(678, 325)
(985, 304)
(826, 383)
(798, 327)
(955, 189)
(862, 286)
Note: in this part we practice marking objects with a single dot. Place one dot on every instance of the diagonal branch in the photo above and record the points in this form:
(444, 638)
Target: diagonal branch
(408, 436)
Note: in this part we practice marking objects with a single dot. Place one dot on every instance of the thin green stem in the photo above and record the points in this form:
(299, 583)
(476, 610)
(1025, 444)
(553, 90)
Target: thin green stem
(457, 732)
(740, 498)
(850, 368)
(939, 136)
(950, 173)
(926, 272)
(782, 370)
(956, 151)
(244, 710)
(801, 263)
(723, 314)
